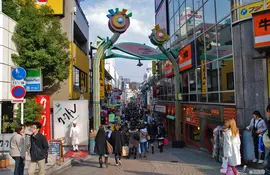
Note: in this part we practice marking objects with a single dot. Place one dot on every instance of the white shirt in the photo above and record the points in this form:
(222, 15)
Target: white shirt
(256, 122)
(143, 133)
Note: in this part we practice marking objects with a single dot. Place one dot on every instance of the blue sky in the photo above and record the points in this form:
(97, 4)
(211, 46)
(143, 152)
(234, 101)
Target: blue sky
(142, 22)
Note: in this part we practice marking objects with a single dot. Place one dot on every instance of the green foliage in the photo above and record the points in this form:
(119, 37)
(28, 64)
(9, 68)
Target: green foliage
(41, 43)
(10, 8)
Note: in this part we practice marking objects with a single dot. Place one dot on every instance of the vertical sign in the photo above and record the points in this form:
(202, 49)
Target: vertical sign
(268, 74)
(154, 68)
(45, 120)
(203, 71)
(33, 80)
(102, 78)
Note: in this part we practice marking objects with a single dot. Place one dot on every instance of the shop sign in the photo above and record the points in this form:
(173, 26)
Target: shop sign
(102, 78)
(160, 108)
(65, 112)
(33, 80)
(203, 73)
(185, 58)
(210, 112)
(5, 142)
(268, 74)
(56, 5)
(168, 69)
(45, 119)
(154, 67)
(247, 10)
(261, 29)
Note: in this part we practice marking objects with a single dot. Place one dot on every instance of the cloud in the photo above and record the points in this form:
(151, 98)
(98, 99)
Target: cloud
(142, 21)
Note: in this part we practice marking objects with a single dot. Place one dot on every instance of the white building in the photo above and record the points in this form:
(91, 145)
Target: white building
(110, 67)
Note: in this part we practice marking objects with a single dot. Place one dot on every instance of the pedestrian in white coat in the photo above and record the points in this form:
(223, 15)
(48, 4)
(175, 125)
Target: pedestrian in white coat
(74, 134)
(231, 145)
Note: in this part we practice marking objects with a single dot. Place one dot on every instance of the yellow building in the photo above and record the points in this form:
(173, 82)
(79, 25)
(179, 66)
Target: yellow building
(75, 24)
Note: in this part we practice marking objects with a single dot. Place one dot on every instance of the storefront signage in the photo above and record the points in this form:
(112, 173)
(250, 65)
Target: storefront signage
(33, 80)
(161, 16)
(56, 5)
(154, 67)
(246, 11)
(102, 78)
(45, 119)
(203, 72)
(185, 58)
(229, 113)
(261, 27)
(160, 108)
(268, 74)
(213, 112)
(168, 69)
(5, 142)
(65, 112)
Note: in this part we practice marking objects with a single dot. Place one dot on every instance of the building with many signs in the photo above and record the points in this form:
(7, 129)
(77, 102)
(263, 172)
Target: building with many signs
(223, 74)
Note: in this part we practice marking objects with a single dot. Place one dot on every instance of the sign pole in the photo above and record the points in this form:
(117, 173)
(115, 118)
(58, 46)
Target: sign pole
(22, 112)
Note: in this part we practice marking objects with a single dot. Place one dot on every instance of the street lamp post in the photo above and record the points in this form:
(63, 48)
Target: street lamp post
(158, 37)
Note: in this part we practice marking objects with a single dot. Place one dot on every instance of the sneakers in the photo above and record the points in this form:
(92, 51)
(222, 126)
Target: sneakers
(117, 164)
(255, 160)
(260, 161)
(120, 163)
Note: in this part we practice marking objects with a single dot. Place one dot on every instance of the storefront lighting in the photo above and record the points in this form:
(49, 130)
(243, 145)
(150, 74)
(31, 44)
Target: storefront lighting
(199, 128)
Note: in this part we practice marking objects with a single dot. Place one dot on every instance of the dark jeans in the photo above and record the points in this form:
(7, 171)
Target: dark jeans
(117, 157)
(19, 166)
(133, 151)
(256, 146)
(267, 166)
(143, 146)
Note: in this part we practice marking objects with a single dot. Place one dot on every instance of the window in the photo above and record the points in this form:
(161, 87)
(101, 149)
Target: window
(209, 14)
(227, 97)
(213, 98)
(194, 133)
(7, 117)
(212, 76)
(224, 38)
(200, 49)
(172, 26)
(192, 81)
(80, 80)
(177, 22)
(185, 82)
(197, 4)
(226, 74)
(223, 9)
(176, 6)
(183, 16)
(170, 9)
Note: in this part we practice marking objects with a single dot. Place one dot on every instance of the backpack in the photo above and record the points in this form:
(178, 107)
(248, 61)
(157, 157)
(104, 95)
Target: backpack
(266, 140)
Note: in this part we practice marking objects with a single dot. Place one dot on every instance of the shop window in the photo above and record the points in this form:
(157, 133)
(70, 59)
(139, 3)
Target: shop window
(224, 38)
(80, 80)
(185, 98)
(183, 33)
(194, 133)
(183, 16)
(190, 28)
(172, 27)
(193, 97)
(209, 14)
(212, 76)
(176, 6)
(211, 44)
(213, 98)
(198, 4)
(189, 5)
(201, 79)
(177, 21)
(227, 97)
(170, 9)
(223, 9)
(202, 97)
(200, 49)
(226, 74)
(185, 82)
(7, 117)
(192, 81)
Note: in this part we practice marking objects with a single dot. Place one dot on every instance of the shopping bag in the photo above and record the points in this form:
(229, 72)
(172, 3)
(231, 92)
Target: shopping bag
(266, 140)
(166, 141)
(125, 151)
(109, 148)
(261, 145)
(224, 166)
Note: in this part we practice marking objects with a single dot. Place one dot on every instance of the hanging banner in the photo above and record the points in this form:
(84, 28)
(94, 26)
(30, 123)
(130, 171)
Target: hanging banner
(102, 78)
(45, 119)
(204, 85)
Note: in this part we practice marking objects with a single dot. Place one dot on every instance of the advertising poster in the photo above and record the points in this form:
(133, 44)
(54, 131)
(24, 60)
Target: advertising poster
(45, 119)
(161, 16)
(168, 68)
(204, 85)
(56, 5)
(185, 58)
(65, 112)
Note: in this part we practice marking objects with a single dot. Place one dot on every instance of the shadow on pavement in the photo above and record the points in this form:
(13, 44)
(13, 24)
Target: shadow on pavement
(85, 163)
(143, 173)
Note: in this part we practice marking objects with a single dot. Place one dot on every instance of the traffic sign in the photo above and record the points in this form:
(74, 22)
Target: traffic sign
(18, 101)
(18, 92)
(19, 73)
(18, 83)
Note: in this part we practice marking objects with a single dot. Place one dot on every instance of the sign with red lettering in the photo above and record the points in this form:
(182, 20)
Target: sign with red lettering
(45, 119)
(261, 27)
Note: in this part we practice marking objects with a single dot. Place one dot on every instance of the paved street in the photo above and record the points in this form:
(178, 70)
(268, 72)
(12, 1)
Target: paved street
(184, 161)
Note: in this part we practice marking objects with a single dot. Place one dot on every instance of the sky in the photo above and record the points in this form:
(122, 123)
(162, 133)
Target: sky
(142, 22)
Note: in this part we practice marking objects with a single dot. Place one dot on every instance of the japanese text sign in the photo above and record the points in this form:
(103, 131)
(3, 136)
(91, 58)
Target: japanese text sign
(261, 29)
(5, 142)
(45, 119)
(185, 58)
(65, 112)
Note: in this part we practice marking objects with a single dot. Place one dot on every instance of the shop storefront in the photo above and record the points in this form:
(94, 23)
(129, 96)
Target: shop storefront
(170, 122)
(160, 113)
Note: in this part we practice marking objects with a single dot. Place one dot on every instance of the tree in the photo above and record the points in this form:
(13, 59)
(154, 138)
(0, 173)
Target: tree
(10, 8)
(40, 43)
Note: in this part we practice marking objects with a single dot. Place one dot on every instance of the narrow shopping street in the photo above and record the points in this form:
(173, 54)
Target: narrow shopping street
(184, 161)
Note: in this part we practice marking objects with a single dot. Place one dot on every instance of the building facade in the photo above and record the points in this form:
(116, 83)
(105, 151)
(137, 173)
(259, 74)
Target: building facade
(202, 30)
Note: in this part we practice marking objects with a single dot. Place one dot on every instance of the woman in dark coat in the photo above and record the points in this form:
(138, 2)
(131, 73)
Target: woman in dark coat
(152, 131)
(101, 146)
(117, 143)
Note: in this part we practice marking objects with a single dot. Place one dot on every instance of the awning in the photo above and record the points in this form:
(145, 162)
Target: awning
(171, 117)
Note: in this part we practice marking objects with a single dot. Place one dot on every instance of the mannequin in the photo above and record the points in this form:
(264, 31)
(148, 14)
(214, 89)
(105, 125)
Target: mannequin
(74, 134)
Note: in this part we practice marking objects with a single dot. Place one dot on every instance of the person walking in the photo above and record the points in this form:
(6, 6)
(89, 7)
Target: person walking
(17, 149)
(101, 146)
(258, 126)
(267, 138)
(231, 145)
(117, 143)
(152, 131)
(134, 139)
(143, 140)
(38, 150)
(74, 135)
(161, 137)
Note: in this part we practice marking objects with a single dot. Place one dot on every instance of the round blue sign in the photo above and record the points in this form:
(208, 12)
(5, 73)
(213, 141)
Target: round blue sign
(19, 73)
(244, 11)
(18, 92)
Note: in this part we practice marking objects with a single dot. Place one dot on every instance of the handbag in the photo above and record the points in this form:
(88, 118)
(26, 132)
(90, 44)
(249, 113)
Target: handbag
(266, 140)
(109, 148)
(224, 166)
(166, 141)
(148, 137)
(261, 145)
(125, 151)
